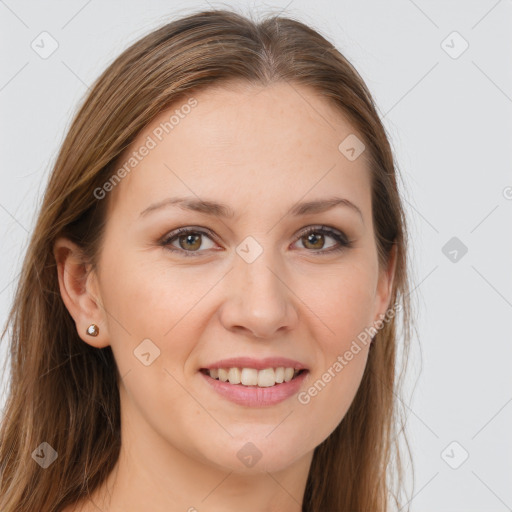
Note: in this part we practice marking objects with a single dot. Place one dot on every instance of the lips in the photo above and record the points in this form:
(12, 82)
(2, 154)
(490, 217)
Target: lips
(249, 381)
(254, 395)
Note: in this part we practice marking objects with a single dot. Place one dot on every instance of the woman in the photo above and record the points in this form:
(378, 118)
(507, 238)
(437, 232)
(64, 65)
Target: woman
(206, 316)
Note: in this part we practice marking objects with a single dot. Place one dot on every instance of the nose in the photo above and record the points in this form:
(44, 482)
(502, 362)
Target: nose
(258, 299)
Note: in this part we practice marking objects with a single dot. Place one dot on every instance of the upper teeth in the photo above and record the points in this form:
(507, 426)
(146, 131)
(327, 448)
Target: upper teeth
(252, 377)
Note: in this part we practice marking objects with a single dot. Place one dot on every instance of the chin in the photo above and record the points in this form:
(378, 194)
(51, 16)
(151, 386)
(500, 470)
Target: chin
(260, 453)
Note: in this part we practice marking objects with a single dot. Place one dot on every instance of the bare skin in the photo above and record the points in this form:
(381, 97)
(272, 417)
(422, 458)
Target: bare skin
(259, 150)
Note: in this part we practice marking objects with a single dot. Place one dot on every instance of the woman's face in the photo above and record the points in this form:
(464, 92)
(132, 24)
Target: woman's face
(251, 290)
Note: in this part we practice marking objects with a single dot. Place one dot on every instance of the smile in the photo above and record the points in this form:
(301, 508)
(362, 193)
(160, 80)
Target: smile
(257, 388)
(265, 378)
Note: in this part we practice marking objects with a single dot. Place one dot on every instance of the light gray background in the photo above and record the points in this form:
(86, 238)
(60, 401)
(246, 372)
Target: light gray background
(449, 120)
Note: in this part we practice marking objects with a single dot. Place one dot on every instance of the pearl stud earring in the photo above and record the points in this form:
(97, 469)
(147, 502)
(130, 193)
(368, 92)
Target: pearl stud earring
(93, 330)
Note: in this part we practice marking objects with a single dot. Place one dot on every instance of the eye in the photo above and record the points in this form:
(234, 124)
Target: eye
(189, 240)
(311, 239)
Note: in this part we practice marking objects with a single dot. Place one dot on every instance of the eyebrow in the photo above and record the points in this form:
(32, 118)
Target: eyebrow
(223, 210)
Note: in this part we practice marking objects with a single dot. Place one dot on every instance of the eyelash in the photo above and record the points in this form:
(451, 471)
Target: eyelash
(343, 242)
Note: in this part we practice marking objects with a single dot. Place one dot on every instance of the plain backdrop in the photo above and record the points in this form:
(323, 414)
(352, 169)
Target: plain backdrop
(441, 74)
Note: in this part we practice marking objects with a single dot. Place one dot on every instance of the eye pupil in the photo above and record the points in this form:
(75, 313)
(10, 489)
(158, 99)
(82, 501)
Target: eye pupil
(189, 238)
(313, 238)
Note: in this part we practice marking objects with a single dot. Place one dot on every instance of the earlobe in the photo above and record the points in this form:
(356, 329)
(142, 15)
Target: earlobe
(78, 291)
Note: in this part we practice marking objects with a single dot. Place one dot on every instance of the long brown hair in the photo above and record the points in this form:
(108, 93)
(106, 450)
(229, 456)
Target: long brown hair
(63, 391)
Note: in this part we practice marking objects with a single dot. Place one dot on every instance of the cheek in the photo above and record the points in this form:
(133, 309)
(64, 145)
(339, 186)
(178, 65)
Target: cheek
(340, 308)
(328, 394)
(157, 305)
(147, 295)
(148, 299)
(341, 301)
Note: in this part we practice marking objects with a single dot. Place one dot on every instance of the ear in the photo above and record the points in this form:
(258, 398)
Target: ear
(385, 285)
(79, 291)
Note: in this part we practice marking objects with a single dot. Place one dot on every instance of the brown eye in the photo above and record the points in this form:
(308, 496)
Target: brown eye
(192, 242)
(189, 241)
(315, 238)
(313, 241)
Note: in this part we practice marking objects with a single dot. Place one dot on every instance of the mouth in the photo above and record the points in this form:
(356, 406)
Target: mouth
(252, 377)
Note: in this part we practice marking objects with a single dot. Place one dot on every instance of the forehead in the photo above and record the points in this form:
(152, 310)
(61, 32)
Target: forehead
(250, 142)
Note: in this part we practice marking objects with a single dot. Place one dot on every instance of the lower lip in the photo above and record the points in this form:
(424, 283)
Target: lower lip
(254, 396)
